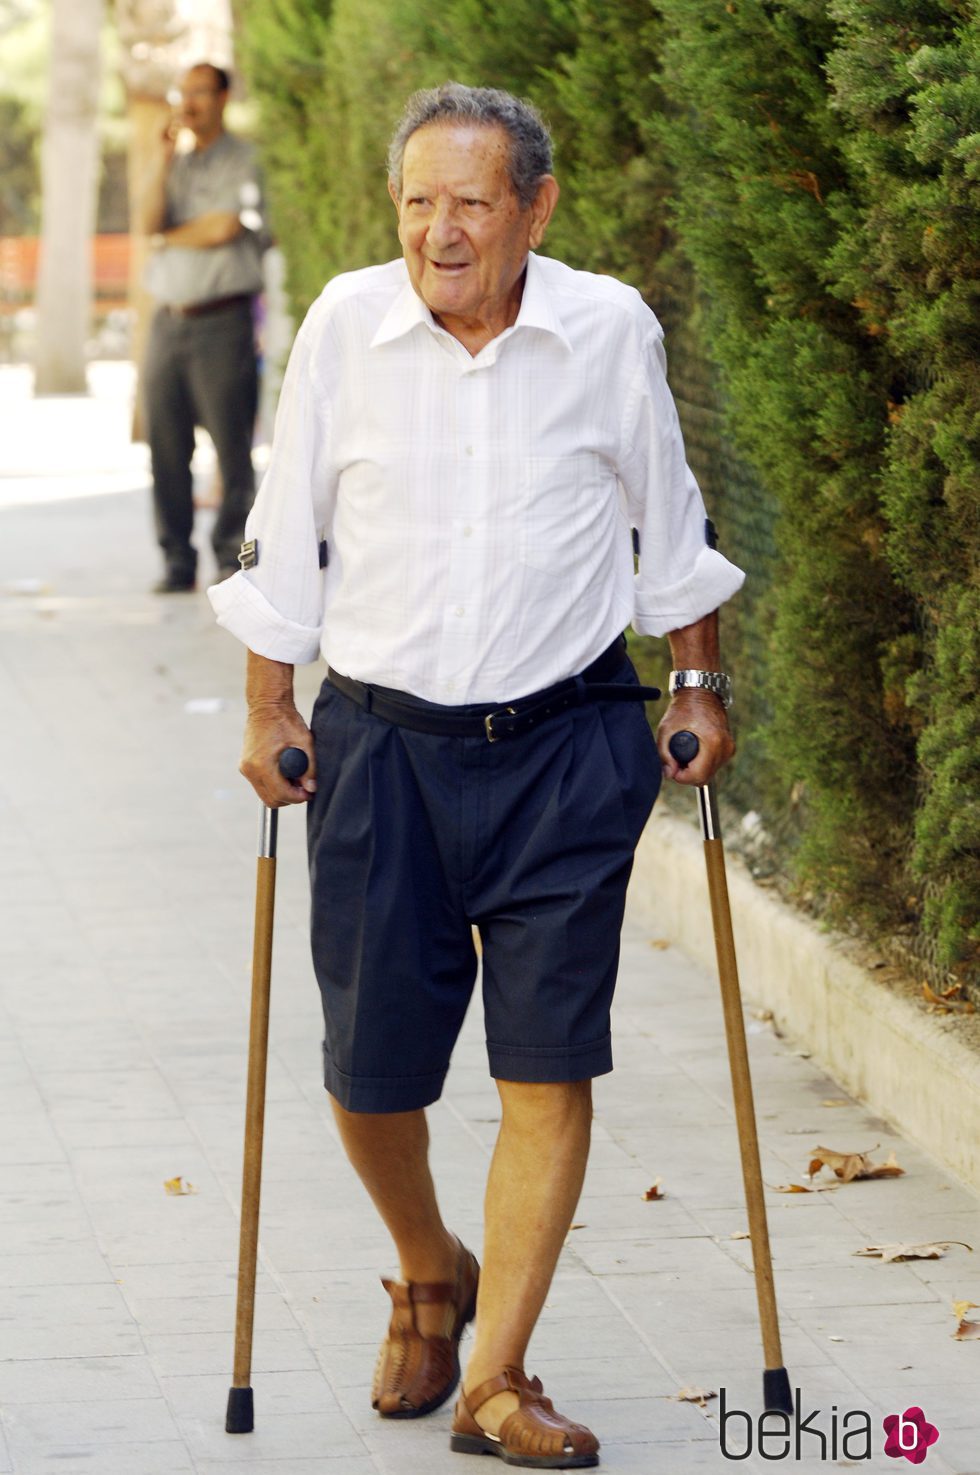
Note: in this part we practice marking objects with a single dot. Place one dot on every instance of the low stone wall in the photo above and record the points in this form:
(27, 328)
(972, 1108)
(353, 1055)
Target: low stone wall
(919, 1070)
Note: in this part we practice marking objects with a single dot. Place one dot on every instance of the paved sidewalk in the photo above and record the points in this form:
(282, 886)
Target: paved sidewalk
(126, 878)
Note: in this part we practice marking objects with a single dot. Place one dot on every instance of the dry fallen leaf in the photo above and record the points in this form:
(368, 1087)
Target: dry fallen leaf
(763, 1014)
(836, 1339)
(966, 1331)
(889, 1253)
(836, 1101)
(802, 1187)
(653, 1192)
(948, 1001)
(660, 943)
(740, 1234)
(848, 1166)
(699, 1396)
(578, 1226)
(178, 1186)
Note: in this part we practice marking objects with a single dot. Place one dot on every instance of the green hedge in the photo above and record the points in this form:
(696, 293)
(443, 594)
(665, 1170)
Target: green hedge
(793, 186)
(906, 81)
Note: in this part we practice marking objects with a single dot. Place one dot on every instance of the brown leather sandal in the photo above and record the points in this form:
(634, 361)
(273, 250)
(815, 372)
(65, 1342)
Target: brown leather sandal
(534, 1435)
(415, 1374)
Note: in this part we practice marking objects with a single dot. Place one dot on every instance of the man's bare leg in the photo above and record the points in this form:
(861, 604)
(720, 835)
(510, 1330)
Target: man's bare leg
(534, 1184)
(390, 1153)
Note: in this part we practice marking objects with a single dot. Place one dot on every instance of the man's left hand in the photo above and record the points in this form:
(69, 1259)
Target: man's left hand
(702, 713)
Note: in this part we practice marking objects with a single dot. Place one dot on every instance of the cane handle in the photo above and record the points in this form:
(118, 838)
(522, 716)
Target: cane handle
(684, 747)
(293, 763)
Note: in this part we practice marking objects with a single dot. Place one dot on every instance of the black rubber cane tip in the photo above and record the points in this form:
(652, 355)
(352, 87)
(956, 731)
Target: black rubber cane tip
(240, 1418)
(684, 749)
(776, 1392)
(293, 763)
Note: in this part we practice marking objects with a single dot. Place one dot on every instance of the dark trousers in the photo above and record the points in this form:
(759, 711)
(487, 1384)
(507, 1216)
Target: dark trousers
(415, 838)
(201, 371)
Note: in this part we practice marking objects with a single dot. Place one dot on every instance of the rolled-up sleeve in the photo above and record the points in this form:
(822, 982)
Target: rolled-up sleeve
(680, 579)
(276, 608)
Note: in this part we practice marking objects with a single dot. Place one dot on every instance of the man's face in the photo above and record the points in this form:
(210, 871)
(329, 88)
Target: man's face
(202, 102)
(464, 235)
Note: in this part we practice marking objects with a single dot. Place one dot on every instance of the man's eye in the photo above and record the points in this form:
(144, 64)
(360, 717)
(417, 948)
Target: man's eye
(418, 200)
(471, 203)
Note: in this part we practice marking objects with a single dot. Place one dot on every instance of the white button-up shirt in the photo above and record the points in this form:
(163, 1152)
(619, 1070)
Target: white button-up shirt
(477, 511)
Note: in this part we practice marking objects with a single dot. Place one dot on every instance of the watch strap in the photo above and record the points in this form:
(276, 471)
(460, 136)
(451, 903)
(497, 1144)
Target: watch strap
(691, 680)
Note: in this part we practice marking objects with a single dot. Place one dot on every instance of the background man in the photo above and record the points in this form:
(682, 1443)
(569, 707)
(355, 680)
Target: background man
(203, 214)
(465, 438)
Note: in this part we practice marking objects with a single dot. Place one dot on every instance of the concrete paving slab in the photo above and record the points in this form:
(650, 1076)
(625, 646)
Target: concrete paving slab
(124, 982)
(101, 1423)
(347, 1464)
(76, 1264)
(169, 1458)
(277, 1436)
(76, 1379)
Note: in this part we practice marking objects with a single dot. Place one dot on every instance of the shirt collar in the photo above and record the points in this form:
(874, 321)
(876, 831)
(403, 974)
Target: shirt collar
(537, 310)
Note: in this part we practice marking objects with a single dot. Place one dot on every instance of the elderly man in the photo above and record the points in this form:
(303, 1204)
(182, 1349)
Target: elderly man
(465, 441)
(202, 213)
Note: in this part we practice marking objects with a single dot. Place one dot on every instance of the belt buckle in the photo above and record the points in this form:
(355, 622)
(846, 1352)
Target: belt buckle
(488, 721)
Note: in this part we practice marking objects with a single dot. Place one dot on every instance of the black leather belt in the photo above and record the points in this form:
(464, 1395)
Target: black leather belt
(201, 309)
(510, 720)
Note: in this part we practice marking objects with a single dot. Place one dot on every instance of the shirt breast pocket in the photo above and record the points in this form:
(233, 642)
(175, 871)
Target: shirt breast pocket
(568, 507)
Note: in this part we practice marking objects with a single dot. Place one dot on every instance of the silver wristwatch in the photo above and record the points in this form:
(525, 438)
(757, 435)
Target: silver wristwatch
(715, 681)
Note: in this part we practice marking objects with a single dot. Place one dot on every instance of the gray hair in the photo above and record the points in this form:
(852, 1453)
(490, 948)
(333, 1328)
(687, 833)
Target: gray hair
(530, 142)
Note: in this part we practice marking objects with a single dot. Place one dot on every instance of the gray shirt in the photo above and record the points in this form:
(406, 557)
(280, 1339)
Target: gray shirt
(224, 176)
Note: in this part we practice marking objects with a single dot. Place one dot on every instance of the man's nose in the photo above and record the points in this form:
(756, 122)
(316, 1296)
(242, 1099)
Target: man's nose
(443, 227)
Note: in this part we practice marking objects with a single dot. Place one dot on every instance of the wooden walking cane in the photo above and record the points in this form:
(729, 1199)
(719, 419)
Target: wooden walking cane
(775, 1380)
(240, 1416)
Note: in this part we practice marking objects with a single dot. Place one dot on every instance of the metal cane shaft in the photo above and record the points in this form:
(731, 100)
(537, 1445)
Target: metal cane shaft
(738, 1059)
(258, 1047)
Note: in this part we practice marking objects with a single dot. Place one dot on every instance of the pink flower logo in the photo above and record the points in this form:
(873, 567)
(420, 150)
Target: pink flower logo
(909, 1434)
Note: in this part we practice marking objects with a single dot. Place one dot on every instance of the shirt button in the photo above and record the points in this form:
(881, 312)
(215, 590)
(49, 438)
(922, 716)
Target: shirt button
(467, 532)
(460, 610)
(469, 450)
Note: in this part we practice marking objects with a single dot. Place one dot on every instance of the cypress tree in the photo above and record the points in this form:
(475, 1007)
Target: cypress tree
(906, 77)
(759, 163)
(329, 76)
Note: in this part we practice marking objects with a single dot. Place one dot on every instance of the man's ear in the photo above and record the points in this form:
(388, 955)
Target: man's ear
(542, 208)
(395, 200)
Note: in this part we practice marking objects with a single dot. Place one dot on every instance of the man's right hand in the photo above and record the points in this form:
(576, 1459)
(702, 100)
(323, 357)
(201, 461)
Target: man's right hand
(168, 140)
(270, 729)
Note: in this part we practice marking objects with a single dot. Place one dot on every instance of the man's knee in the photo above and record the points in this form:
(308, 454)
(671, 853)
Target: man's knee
(549, 1106)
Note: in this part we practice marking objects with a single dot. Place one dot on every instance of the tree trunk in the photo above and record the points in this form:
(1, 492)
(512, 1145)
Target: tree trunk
(148, 116)
(69, 161)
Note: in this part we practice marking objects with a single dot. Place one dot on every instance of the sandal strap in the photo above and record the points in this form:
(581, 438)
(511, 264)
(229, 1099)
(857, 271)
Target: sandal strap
(408, 1293)
(511, 1380)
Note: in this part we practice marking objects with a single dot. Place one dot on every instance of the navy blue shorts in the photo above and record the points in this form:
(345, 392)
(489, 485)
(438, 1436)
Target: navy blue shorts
(414, 839)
